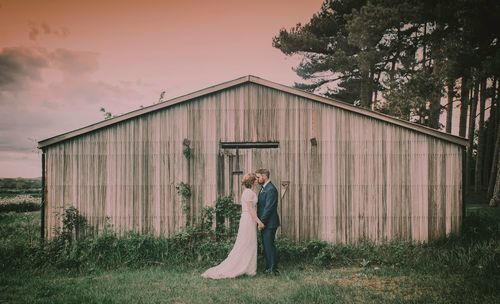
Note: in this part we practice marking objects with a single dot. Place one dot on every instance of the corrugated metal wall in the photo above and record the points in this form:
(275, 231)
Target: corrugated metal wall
(361, 178)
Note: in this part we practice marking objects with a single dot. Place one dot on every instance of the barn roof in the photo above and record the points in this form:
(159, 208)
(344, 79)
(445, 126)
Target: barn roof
(252, 79)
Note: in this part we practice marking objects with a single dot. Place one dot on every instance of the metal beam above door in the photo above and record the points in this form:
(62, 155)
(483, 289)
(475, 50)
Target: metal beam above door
(250, 145)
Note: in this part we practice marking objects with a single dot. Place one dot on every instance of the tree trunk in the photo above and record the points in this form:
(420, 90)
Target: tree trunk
(497, 111)
(470, 134)
(364, 95)
(424, 45)
(496, 148)
(489, 145)
(495, 197)
(375, 90)
(435, 112)
(449, 106)
(435, 102)
(464, 92)
(478, 172)
(371, 75)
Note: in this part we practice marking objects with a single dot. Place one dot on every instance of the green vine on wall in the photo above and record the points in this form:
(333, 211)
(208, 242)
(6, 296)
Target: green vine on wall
(184, 190)
(207, 218)
(186, 148)
(227, 212)
(75, 225)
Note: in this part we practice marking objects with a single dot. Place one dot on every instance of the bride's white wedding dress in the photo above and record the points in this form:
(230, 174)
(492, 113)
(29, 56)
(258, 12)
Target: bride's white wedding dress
(243, 257)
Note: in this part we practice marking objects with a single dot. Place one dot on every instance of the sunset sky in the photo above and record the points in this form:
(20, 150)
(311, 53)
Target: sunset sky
(61, 61)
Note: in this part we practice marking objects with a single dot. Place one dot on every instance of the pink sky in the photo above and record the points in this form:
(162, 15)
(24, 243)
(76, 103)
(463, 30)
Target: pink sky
(61, 61)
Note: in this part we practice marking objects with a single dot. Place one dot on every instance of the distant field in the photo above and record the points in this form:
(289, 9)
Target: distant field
(18, 186)
(20, 194)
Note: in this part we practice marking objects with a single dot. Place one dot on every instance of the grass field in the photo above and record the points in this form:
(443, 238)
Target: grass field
(10, 187)
(300, 282)
(160, 285)
(20, 194)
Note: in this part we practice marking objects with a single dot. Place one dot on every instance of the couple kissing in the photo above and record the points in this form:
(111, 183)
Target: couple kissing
(257, 212)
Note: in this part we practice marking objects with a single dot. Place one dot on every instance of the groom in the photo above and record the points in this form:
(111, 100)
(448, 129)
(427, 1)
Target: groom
(267, 212)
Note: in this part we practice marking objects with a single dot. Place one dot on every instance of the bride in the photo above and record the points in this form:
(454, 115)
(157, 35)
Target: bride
(243, 257)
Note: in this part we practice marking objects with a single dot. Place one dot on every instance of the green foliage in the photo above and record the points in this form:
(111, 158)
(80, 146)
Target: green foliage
(191, 246)
(74, 224)
(226, 208)
(19, 234)
(20, 191)
(228, 216)
(409, 99)
(186, 148)
(316, 293)
(184, 190)
(475, 253)
(481, 226)
(19, 207)
(107, 115)
(20, 183)
(406, 50)
(207, 217)
(19, 203)
(101, 268)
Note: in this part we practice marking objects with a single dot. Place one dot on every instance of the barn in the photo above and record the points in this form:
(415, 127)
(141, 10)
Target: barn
(344, 173)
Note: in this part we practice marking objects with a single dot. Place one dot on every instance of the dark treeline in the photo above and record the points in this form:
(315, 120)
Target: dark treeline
(20, 183)
(413, 59)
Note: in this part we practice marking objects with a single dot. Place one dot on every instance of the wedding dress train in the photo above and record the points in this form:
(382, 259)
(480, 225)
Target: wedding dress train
(243, 257)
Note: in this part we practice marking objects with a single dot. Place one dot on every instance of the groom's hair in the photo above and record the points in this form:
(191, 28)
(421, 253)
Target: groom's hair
(263, 171)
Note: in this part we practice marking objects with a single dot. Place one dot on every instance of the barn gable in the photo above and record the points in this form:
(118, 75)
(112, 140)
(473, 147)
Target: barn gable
(344, 173)
(262, 82)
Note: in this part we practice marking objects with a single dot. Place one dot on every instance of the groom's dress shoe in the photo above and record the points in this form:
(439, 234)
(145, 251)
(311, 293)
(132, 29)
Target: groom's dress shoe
(271, 272)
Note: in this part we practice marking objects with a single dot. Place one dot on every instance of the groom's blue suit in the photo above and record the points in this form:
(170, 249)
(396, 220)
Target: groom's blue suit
(267, 211)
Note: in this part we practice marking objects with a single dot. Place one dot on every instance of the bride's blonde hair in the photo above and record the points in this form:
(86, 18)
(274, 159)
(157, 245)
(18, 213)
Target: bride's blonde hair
(248, 180)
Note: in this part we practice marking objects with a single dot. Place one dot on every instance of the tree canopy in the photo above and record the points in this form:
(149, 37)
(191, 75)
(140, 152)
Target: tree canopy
(401, 57)
(405, 51)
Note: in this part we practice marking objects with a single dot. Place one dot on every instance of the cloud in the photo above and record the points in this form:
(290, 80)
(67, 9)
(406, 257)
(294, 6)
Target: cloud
(37, 103)
(37, 29)
(19, 66)
(13, 164)
(75, 63)
(33, 33)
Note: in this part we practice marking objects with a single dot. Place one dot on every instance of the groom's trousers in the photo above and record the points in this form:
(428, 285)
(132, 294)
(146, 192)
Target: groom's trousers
(268, 236)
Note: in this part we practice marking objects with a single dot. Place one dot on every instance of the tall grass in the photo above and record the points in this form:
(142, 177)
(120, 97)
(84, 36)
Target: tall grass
(20, 194)
(475, 252)
(111, 268)
(20, 203)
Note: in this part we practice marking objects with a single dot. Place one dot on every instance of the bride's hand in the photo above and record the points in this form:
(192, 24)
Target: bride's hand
(261, 226)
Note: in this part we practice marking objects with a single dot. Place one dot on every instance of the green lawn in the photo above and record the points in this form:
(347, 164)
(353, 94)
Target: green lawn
(160, 285)
(298, 283)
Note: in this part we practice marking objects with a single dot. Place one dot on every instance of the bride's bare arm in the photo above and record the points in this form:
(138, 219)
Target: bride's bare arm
(253, 213)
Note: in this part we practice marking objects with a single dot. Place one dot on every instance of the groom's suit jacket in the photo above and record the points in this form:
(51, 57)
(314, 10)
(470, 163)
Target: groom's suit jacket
(267, 206)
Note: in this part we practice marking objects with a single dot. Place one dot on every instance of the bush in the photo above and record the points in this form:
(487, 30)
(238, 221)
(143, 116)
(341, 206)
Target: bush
(227, 217)
(481, 226)
(20, 203)
(109, 251)
(472, 253)
(20, 207)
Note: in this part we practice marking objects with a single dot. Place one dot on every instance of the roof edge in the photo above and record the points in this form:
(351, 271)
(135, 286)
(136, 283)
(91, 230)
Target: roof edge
(176, 100)
(362, 111)
(253, 79)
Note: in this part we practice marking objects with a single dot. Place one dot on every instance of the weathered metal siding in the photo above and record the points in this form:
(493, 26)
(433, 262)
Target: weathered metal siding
(360, 178)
